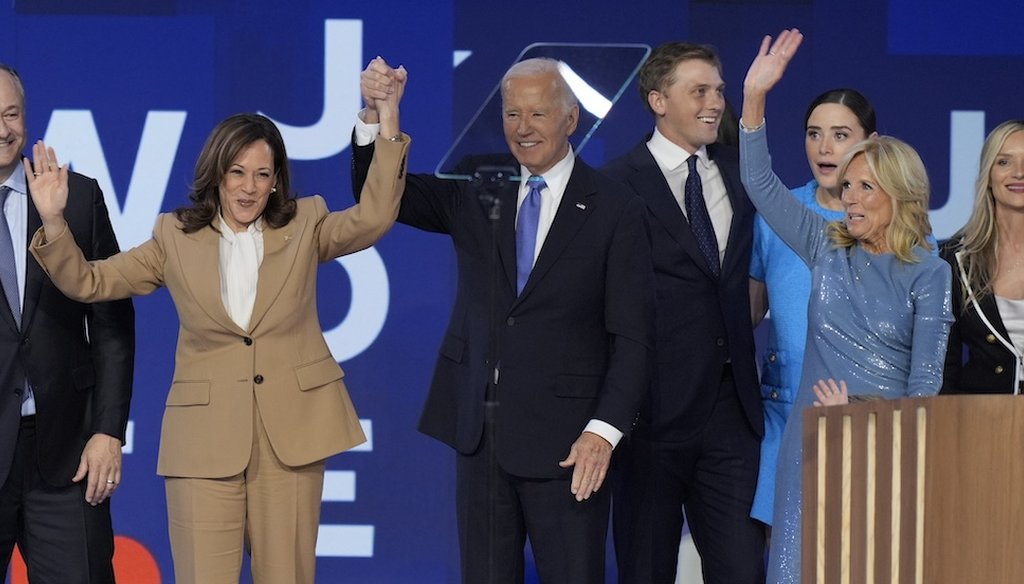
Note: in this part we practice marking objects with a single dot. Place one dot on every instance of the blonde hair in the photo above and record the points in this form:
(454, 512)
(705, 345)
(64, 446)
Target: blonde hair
(899, 172)
(979, 237)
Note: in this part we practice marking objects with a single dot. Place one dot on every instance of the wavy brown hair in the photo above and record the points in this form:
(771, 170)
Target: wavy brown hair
(224, 145)
(979, 237)
(659, 70)
(899, 172)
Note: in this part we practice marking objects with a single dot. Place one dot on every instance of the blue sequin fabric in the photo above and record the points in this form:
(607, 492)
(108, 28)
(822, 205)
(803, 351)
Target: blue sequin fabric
(877, 322)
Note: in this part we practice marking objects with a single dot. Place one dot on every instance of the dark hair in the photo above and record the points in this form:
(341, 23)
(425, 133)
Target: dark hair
(225, 143)
(854, 101)
(17, 80)
(658, 71)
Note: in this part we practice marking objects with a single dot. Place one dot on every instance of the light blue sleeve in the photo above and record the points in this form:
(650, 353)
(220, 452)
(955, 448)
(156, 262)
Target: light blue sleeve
(932, 319)
(801, 228)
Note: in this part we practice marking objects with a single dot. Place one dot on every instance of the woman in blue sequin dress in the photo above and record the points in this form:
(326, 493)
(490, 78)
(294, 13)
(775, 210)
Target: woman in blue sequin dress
(779, 278)
(879, 310)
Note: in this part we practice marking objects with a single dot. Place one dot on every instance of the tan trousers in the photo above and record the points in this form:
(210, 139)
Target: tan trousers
(272, 508)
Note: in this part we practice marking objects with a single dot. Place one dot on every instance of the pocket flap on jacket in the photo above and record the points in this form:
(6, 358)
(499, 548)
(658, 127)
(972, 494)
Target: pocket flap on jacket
(318, 373)
(189, 393)
(453, 347)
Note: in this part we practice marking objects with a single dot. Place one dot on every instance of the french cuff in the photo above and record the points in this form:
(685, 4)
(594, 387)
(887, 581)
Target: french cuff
(365, 133)
(604, 430)
(754, 129)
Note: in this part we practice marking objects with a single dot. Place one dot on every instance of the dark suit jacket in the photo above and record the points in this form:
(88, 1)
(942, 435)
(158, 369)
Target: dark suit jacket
(77, 357)
(703, 322)
(574, 345)
(990, 366)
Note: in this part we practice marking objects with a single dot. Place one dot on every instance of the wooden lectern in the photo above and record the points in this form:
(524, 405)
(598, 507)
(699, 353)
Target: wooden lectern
(914, 491)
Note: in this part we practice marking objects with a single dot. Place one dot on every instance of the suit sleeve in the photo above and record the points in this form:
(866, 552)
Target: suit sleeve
(135, 272)
(428, 203)
(629, 317)
(111, 327)
(380, 192)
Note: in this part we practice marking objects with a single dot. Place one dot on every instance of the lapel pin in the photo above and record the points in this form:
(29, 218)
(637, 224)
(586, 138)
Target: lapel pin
(581, 206)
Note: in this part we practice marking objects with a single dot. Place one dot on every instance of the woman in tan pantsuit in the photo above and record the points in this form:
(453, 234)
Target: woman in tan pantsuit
(257, 402)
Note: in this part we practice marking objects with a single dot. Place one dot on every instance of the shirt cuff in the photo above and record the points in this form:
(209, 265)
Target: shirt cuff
(604, 430)
(750, 130)
(365, 133)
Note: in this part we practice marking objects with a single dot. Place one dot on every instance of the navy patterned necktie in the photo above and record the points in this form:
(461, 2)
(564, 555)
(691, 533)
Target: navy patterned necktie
(700, 221)
(8, 269)
(526, 231)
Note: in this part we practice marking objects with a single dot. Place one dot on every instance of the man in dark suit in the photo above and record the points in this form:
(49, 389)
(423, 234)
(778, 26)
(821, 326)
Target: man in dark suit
(697, 441)
(546, 357)
(65, 382)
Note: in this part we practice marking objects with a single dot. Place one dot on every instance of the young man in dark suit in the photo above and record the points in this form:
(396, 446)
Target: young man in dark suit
(534, 386)
(696, 445)
(65, 382)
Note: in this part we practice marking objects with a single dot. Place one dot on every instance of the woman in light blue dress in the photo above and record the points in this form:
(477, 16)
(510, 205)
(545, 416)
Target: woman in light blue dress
(879, 310)
(835, 121)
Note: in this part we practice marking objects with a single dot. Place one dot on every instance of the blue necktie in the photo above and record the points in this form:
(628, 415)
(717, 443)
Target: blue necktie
(8, 269)
(700, 221)
(526, 231)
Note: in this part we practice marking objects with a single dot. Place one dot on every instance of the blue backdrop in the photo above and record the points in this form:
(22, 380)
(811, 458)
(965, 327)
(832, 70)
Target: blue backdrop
(127, 91)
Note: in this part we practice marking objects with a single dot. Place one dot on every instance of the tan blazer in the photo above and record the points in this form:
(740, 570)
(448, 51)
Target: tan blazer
(281, 365)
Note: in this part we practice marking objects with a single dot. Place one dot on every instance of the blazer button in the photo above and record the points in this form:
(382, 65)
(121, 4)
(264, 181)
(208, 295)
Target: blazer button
(720, 342)
(772, 358)
(511, 321)
(258, 379)
(999, 369)
(247, 341)
(774, 395)
(991, 338)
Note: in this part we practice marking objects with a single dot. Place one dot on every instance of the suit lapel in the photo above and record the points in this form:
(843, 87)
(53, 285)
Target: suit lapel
(507, 232)
(737, 198)
(33, 272)
(199, 257)
(649, 182)
(572, 213)
(991, 310)
(280, 247)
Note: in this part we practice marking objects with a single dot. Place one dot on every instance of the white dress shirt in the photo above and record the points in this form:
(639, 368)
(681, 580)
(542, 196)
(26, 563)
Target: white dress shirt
(671, 160)
(240, 257)
(16, 212)
(556, 178)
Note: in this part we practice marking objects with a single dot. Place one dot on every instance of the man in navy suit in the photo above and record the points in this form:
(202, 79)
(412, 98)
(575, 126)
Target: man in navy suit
(696, 445)
(65, 383)
(547, 355)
